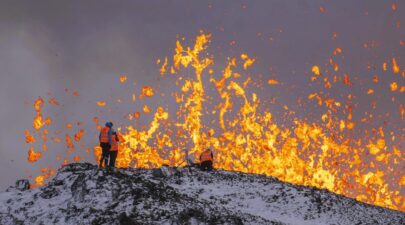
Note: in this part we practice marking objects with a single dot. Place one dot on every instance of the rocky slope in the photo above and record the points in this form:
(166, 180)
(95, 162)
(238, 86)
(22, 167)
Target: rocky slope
(83, 194)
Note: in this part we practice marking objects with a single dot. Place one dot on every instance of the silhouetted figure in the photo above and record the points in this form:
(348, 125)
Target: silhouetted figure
(206, 159)
(105, 138)
(114, 149)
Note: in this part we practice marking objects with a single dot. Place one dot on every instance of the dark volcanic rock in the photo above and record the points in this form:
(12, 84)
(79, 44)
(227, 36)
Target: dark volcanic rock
(84, 194)
(22, 185)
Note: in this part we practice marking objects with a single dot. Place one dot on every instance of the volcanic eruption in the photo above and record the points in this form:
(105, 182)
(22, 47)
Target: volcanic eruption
(221, 106)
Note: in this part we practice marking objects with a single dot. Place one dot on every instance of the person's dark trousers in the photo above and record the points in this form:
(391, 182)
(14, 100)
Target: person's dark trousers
(105, 153)
(113, 157)
(206, 166)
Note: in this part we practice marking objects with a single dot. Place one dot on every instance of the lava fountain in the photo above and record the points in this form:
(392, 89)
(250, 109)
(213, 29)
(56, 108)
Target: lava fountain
(219, 108)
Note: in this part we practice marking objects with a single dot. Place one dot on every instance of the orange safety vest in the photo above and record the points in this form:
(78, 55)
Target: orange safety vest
(206, 156)
(114, 143)
(104, 134)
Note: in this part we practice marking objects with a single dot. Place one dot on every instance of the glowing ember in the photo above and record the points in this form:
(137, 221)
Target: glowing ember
(315, 70)
(69, 126)
(101, 103)
(272, 82)
(394, 86)
(76, 158)
(164, 67)
(56, 140)
(79, 135)
(53, 101)
(123, 79)
(33, 156)
(394, 7)
(39, 180)
(147, 91)
(346, 80)
(39, 122)
(321, 9)
(146, 109)
(395, 67)
(248, 61)
(38, 104)
(69, 143)
(28, 137)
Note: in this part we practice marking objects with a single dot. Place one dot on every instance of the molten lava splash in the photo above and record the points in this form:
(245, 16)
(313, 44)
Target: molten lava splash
(38, 120)
(247, 138)
(38, 124)
(250, 141)
(69, 143)
(123, 78)
(46, 173)
(29, 138)
(39, 180)
(272, 82)
(33, 156)
(134, 145)
(101, 103)
(79, 135)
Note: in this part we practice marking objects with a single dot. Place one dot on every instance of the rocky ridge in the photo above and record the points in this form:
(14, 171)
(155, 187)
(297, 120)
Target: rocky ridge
(82, 193)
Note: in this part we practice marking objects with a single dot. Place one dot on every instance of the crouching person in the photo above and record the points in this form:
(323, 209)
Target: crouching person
(206, 159)
(114, 149)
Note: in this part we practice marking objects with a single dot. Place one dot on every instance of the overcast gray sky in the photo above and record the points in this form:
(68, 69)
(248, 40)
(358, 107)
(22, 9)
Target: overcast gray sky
(49, 46)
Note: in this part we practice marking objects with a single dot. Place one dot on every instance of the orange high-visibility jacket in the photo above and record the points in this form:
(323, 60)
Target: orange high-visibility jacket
(206, 156)
(104, 135)
(114, 143)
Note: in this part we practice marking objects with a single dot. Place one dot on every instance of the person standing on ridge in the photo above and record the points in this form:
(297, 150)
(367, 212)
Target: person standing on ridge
(105, 138)
(206, 159)
(114, 148)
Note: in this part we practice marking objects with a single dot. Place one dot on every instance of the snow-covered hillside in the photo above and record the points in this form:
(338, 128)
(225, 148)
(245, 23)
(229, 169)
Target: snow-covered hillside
(83, 194)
